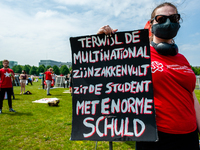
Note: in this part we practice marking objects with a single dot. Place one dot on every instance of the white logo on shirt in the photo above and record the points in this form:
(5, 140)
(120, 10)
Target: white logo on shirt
(184, 68)
(7, 74)
(156, 66)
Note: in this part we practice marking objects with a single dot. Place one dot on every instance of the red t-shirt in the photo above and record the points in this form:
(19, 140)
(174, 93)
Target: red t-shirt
(5, 75)
(48, 75)
(173, 84)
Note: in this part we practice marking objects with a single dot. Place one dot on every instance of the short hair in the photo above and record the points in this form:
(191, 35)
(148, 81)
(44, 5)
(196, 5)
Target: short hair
(50, 69)
(5, 61)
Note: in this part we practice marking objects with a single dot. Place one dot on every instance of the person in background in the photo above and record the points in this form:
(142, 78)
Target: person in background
(176, 106)
(32, 78)
(6, 77)
(48, 79)
(54, 76)
(70, 81)
(23, 78)
(36, 79)
(67, 81)
(29, 81)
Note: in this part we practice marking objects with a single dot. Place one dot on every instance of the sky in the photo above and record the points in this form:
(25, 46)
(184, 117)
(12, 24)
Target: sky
(34, 30)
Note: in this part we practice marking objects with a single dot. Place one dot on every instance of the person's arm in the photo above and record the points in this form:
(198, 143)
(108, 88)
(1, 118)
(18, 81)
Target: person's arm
(44, 76)
(106, 30)
(20, 76)
(13, 75)
(197, 110)
(0, 79)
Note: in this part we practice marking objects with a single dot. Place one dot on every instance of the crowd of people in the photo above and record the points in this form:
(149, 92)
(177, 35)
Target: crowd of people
(7, 78)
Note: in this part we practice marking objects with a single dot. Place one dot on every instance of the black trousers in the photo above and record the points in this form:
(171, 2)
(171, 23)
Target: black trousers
(2, 94)
(167, 141)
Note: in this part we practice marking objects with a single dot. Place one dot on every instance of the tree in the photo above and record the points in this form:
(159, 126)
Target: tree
(17, 69)
(14, 68)
(43, 65)
(196, 70)
(56, 70)
(27, 68)
(64, 70)
(41, 68)
(70, 68)
(1, 64)
(33, 71)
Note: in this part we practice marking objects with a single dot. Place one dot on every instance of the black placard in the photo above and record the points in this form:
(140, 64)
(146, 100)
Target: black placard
(112, 88)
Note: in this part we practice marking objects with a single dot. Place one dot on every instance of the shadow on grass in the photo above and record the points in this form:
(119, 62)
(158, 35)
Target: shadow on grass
(54, 95)
(67, 123)
(19, 114)
(131, 144)
(15, 99)
(54, 106)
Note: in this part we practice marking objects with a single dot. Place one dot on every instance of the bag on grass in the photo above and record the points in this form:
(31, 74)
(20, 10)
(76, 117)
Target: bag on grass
(54, 103)
(27, 92)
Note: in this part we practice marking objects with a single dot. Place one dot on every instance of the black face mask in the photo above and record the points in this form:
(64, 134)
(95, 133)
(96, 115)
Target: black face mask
(165, 48)
(167, 30)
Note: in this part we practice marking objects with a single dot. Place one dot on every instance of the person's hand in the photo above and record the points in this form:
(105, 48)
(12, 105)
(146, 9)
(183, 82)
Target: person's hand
(12, 76)
(106, 30)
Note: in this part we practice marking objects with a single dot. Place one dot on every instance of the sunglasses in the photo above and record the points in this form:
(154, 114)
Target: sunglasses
(162, 18)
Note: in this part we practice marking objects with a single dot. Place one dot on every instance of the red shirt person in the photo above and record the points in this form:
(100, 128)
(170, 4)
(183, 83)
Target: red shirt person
(6, 76)
(176, 106)
(48, 78)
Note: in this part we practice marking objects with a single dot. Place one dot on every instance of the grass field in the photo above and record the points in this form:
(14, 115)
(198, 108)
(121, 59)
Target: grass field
(40, 127)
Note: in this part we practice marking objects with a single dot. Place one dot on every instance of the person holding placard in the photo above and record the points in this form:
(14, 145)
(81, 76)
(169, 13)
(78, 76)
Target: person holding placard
(177, 108)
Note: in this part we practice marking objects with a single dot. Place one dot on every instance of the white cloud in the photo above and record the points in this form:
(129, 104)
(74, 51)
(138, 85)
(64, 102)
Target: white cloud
(43, 32)
(76, 2)
(46, 14)
(195, 34)
(190, 47)
(62, 7)
(191, 52)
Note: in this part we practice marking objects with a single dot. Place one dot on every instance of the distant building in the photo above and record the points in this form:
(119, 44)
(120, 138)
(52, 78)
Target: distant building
(13, 63)
(52, 63)
(68, 64)
(49, 63)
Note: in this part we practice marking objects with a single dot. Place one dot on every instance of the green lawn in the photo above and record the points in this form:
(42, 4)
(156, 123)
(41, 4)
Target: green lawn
(40, 127)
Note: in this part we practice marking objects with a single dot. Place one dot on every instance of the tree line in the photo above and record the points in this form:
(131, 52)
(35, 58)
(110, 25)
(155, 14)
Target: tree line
(196, 70)
(63, 70)
(33, 70)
